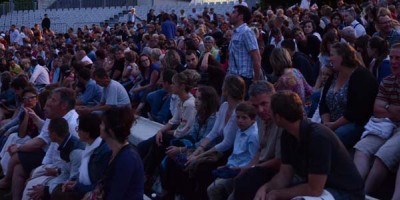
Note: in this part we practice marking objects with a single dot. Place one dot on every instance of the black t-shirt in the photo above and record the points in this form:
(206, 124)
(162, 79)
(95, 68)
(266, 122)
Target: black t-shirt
(118, 66)
(319, 151)
(302, 62)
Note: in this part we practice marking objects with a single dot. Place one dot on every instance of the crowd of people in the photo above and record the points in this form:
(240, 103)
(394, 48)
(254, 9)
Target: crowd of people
(256, 103)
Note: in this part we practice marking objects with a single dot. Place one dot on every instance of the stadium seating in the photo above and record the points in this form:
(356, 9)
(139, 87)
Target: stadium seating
(62, 19)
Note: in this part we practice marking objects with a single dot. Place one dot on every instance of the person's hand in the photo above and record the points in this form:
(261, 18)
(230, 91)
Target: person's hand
(31, 113)
(51, 171)
(261, 193)
(136, 90)
(159, 137)
(36, 192)
(191, 158)
(273, 195)
(68, 186)
(12, 149)
(172, 151)
(330, 125)
(81, 110)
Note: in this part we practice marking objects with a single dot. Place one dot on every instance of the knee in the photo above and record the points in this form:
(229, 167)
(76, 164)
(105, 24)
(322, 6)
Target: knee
(211, 189)
(379, 164)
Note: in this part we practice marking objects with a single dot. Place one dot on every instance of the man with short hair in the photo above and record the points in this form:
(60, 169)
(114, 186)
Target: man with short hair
(28, 156)
(40, 186)
(45, 23)
(114, 94)
(244, 55)
(209, 69)
(14, 33)
(168, 28)
(315, 162)
(300, 61)
(277, 38)
(387, 30)
(92, 92)
(378, 152)
(349, 16)
(266, 162)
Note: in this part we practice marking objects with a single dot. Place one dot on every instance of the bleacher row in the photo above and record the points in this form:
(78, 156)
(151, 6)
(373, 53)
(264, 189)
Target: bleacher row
(72, 17)
(62, 19)
(220, 7)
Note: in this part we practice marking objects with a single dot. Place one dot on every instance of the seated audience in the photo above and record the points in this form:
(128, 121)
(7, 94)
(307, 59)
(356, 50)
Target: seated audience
(314, 161)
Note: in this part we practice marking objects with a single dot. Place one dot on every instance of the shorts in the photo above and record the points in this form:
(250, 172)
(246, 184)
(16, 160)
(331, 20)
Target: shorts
(386, 150)
(31, 160)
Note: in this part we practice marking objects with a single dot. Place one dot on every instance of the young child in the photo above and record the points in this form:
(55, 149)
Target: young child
(244, 148)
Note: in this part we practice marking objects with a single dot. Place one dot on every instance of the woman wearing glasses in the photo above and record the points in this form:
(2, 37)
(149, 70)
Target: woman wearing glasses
(30, 122)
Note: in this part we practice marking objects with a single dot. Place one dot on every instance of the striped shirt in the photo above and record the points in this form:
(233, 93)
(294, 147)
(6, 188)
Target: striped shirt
(389, 90)
(243, 42)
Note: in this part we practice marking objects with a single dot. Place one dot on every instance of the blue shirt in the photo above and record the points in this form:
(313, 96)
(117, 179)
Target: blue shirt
(243, 42)
(124, 178)
(92, 93)
(168, 28)
(245, 147)
(392, 38)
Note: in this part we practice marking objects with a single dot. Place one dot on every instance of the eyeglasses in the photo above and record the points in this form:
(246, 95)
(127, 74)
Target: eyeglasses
(29, 98)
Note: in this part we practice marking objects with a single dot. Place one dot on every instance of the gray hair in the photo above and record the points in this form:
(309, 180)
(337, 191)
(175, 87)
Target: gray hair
(261, 87)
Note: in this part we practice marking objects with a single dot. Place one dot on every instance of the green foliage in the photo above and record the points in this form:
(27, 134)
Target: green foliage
(24, 4)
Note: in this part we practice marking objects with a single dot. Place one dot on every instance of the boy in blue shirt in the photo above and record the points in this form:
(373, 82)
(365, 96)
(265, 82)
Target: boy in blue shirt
(245, 147)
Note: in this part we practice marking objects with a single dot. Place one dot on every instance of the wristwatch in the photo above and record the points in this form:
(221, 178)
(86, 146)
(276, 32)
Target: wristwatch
(387, 107)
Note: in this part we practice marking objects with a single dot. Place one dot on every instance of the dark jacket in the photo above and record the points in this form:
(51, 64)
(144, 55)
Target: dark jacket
(97, 165)
(360, 97)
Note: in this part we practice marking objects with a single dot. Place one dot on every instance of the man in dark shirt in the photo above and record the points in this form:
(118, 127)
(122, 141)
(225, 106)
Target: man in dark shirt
(210, 70)
(46, 23)
(300, 60)
(312, 154)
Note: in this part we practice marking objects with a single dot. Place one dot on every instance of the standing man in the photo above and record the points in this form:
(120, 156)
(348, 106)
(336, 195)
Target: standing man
(132, 16)
(244, 55)
(14, 33)
(45, 23)
(168, 28)
(314, 161)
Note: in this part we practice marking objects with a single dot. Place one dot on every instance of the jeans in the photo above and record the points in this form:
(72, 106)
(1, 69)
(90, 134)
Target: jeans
(349, 134)
(159, 101)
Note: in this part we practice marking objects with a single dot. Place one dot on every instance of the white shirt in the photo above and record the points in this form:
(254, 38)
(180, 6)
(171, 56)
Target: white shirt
(276, 44)
(243, 3)
(115, 94)
(52, 154)
(20, 38)
(359, 28)
(305, 4)
(13, 35)
(40, 76)
(86, 59)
